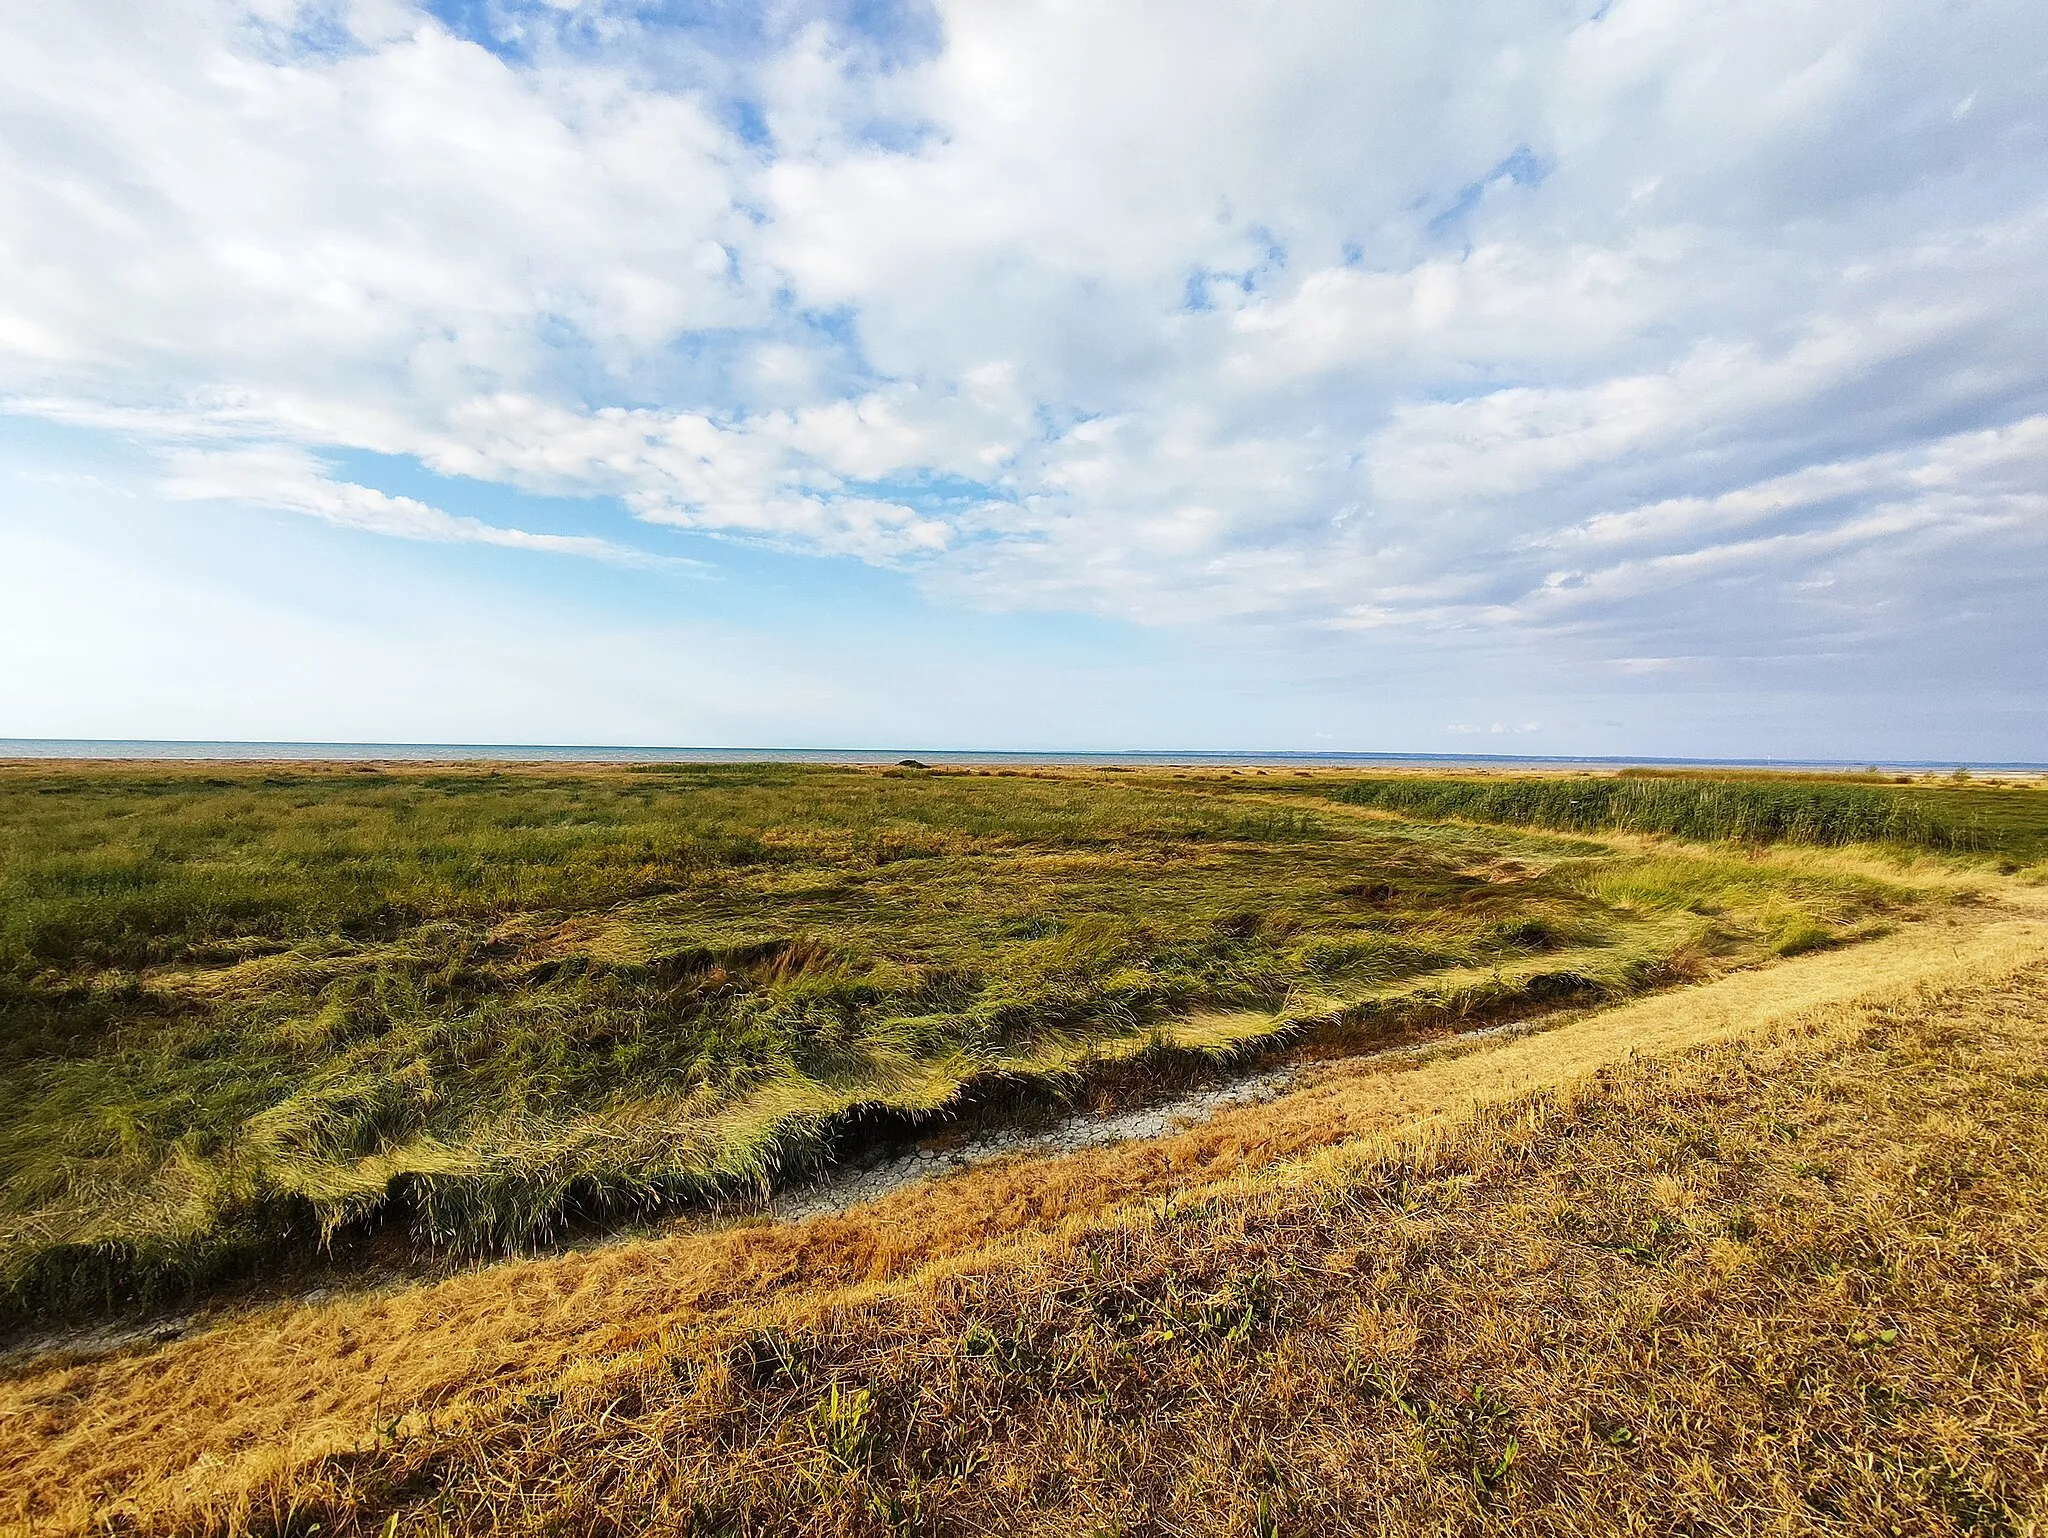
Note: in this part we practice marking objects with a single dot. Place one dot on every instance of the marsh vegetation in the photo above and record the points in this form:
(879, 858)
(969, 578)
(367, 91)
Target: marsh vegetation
(1956, 817)
(242, 1010)
(1722, 1260)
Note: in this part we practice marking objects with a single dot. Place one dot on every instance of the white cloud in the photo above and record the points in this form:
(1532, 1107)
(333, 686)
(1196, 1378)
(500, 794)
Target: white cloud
(291, 480)
(1496, 327)
(1985, 468)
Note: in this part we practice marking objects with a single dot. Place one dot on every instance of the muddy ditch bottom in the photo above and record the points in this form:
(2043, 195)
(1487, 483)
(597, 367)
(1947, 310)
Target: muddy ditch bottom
(855, 1182)
(866, 1176)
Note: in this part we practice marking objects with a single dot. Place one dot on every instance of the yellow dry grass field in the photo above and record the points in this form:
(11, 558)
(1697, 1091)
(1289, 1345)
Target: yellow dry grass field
(1765, 1255)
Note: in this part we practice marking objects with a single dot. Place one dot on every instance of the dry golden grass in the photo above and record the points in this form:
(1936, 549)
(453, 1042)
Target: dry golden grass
(1529, 1283)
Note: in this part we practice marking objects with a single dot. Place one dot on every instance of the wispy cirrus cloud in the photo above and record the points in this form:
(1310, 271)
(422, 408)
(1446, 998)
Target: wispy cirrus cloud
(288, 479)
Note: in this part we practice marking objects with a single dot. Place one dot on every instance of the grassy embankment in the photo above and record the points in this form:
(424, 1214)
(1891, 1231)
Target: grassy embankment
(245, 1008)
(1727, 1295)
(1758, 1256)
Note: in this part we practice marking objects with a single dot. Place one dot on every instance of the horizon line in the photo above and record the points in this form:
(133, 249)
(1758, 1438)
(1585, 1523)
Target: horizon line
(183, 748)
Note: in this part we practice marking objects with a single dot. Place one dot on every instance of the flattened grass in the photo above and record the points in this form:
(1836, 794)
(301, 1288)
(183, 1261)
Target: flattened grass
(1785, 1283)
(243, 1009)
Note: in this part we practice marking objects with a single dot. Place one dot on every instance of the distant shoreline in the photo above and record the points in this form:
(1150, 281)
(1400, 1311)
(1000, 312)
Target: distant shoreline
(44, 749)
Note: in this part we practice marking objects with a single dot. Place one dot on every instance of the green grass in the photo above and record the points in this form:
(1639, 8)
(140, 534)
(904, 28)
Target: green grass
(241, 1010)
(1951, 818)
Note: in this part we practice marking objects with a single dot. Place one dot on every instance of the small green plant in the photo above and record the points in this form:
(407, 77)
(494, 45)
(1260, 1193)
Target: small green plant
(1489, 1477)
(844, 1423)
(772, 1359)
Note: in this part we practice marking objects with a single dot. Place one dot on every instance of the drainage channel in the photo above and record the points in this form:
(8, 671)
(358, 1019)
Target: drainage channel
(845, 1186)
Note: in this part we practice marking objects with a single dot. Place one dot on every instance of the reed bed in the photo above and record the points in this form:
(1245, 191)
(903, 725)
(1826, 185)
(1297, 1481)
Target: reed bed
(1760, 810)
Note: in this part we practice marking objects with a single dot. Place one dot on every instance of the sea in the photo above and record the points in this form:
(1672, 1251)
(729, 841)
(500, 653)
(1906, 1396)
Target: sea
(587, 753)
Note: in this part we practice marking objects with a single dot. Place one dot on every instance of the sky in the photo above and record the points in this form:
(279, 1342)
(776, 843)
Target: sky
(1623, 377)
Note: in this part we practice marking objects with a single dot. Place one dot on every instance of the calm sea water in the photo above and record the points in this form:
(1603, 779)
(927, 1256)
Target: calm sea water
(449, 752)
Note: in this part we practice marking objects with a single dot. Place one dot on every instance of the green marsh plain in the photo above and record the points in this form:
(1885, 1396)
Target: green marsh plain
(244, 1009)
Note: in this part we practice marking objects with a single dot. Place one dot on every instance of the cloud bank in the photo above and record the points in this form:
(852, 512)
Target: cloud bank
(1668, 341)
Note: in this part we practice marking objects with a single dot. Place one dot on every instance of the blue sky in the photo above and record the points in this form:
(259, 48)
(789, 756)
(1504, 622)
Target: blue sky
(1571, 378)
